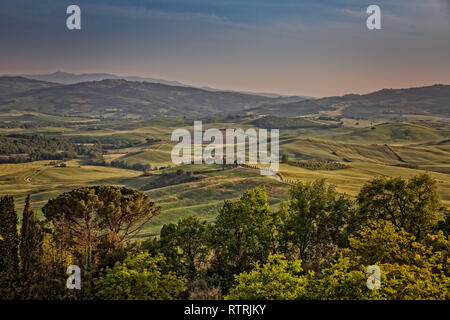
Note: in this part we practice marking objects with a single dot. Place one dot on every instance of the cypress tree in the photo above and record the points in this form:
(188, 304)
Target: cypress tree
(30, 249)
(9, 241)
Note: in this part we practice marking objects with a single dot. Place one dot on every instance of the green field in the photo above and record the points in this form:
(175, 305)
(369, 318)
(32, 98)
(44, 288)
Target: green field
(200, 198)
(368, 151)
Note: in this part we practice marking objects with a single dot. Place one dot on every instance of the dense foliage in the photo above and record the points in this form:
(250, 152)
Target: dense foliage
(318, 165)
(317, 245)
(21, 148)
(24, 148)
(278, 279)
(170, 178)
(139, 277)
(273, 122)
(30, 249)
(9, 241)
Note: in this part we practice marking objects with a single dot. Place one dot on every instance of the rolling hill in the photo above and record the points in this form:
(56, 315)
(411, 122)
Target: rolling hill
(71, 78)
(13, 85)
(121, 99)
(387, 103)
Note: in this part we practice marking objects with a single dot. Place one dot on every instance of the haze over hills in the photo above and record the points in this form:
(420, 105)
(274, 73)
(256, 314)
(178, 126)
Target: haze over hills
(11, 85)
(329, 144)
(71, 78)
(424, 101)
(123, 99)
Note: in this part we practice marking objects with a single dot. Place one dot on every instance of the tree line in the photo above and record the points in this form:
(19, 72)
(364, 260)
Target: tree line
(316, 245)
(319, 165)
(19, 148)
(22, 148)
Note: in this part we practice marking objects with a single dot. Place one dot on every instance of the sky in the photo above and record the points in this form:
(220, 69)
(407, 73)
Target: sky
(311, 47)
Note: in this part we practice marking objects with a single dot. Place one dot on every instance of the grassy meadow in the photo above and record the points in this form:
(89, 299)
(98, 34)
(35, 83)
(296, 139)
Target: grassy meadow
(367, 149)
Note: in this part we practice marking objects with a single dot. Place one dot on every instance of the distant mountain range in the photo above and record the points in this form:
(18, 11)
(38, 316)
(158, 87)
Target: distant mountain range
(70, 78)
(387, 103)
(122, 99)
(125, 99)
(11, 85)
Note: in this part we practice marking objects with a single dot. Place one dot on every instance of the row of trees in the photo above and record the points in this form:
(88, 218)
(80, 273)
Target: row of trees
(133, 166)
(106, 142)
(37, 147)
(88, 227)
(23, 148)
(318, 165)
(28, 247)
(317, 245)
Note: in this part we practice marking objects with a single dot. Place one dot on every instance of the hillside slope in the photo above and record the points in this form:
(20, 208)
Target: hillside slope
(425, 101)
(12, 85)
(121, 99)
(70, 78)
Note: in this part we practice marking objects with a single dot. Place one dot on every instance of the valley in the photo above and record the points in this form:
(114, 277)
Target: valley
(107, 148)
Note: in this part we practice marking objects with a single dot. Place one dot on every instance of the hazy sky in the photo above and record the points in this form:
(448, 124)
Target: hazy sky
(311, 47)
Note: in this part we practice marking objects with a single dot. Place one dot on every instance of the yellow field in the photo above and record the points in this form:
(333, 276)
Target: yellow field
(350, 180)
(392, 149)
(44, 181)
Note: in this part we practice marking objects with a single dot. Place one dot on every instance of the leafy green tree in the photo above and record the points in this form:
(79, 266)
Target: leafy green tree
(440, 247)
(381, 242)
(55, 259)
(73, 224)
(185, 246)
(398, 282)
(315, 214)
(413, 204)
(9, 242)
(411, 282)
(444, 224)
(242, 235)
(278, 279)
(139, 277)
(343, 280)
(409, 269)
(94, 224)
(95, 221)
(30, 248)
